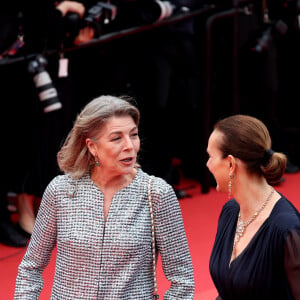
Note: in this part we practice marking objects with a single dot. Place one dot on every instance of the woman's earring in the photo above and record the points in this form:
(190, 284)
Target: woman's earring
(229, 186)
(97, 161)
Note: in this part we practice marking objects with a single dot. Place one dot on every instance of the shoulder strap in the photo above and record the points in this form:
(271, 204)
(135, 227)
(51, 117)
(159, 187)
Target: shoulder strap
(155, 294)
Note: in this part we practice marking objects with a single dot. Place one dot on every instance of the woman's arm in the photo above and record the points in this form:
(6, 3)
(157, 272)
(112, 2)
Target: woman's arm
(29, 282)
(172, 243)
(292, 262)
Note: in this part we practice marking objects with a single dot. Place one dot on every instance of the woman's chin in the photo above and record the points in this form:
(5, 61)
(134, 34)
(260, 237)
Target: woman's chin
(219, 189)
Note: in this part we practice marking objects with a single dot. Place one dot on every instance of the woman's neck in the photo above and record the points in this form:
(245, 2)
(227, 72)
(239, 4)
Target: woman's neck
(109, 181)
(251, 196)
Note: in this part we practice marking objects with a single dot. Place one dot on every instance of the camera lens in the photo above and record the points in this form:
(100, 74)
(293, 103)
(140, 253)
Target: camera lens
(46, 91)
(155, 11)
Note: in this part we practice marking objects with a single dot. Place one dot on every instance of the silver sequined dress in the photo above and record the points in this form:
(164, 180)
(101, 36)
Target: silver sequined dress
(110, 259)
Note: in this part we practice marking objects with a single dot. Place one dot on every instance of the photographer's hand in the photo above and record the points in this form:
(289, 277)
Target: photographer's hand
(85, 34)
(71, 6)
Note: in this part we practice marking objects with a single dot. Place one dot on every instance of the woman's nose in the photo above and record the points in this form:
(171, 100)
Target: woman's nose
(128, 143)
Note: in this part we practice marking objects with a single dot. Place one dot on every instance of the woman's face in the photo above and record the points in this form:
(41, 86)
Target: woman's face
(117, 146)
(216, 164)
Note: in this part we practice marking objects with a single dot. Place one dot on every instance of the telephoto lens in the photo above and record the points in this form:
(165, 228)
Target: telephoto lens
(46, 91)
(155, 11)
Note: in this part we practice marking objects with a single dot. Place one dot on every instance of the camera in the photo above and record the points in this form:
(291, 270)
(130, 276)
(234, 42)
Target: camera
(276, 30)
(155, 11)
(96, 15)
(148, 11)
(46, 91)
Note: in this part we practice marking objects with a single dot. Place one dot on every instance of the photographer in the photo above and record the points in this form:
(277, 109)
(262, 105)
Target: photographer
(32, 137)
(288, 64)
(85, 34)
(44, 24)
(168, 88)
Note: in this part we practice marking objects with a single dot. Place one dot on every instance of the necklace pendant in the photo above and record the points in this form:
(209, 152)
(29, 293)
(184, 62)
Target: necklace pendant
(240, 227)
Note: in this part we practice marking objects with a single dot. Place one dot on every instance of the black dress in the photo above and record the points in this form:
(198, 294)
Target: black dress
(269, 267)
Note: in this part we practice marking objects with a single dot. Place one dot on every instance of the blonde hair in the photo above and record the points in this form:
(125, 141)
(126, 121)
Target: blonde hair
(74, 158)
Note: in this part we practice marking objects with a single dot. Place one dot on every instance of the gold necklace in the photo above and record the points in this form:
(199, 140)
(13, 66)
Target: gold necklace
(241, 225)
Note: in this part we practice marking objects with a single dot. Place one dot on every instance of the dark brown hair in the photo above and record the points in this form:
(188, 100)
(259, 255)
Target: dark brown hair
(248, 139)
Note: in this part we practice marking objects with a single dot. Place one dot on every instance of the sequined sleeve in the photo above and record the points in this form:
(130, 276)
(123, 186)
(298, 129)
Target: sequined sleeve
(292, 262)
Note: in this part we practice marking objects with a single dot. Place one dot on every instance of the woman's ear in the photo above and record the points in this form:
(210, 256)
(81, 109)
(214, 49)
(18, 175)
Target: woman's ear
(90, 145)
(231, 162)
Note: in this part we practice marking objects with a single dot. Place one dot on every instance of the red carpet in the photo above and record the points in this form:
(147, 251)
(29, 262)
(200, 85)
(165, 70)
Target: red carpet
(200, 213)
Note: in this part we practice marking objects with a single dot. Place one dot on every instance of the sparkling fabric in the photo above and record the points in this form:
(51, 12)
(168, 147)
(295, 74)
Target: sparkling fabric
(106, 260)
